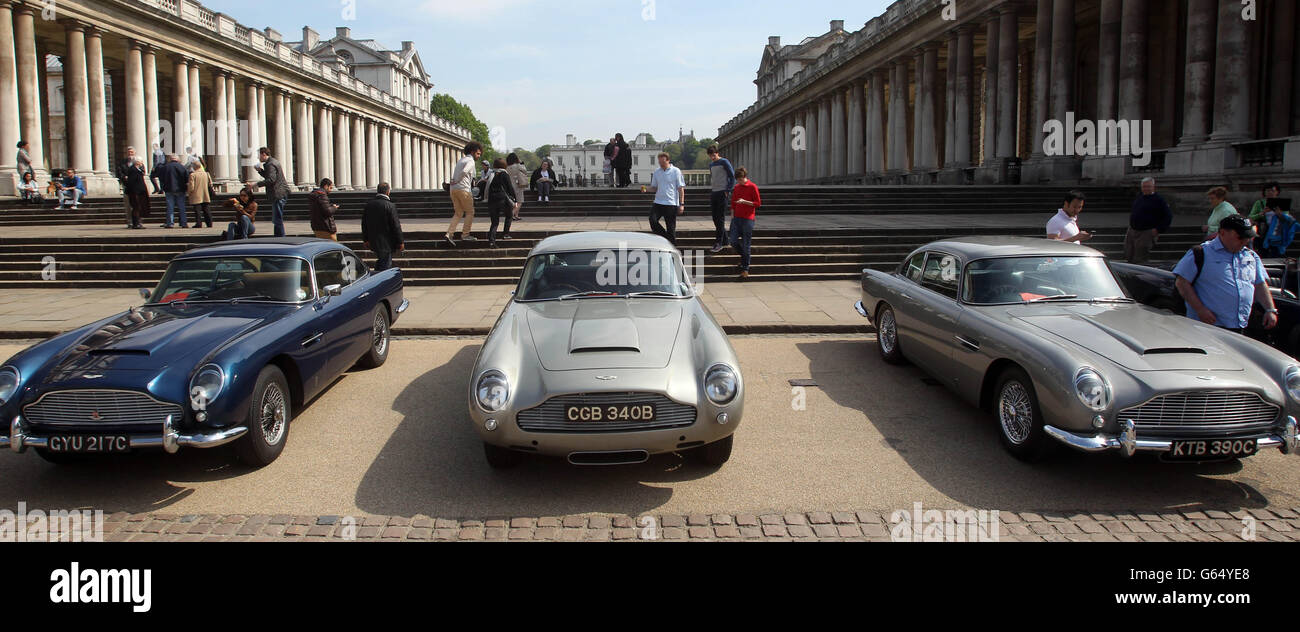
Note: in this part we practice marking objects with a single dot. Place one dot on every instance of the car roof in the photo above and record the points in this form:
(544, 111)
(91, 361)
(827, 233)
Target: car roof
(601, 240)
(982, 246)
(266, 246)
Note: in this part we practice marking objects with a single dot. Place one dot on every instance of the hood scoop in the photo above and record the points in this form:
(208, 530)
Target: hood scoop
(603, 326)
(1175, 350)
(605, 350)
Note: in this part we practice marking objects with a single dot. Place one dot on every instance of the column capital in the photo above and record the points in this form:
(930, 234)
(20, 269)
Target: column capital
(932, 46)
(1008, 8)
(22, 8)
(73, 24)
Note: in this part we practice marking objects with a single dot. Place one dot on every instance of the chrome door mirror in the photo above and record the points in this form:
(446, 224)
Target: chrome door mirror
(333, 290)
(145, 293)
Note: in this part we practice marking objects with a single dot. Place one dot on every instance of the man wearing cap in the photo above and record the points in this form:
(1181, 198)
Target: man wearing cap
(1221, 290)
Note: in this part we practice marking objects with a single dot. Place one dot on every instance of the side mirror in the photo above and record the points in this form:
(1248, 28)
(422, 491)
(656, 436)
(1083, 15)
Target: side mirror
(333, 290)
(145, 293)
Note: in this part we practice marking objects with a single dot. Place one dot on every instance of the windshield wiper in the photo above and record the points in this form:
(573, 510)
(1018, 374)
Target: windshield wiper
(256, 297)
(1112, 299)
(1057, 297)
(652, 293)
(589, 293)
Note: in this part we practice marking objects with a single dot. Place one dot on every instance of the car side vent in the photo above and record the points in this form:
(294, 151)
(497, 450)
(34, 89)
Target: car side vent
(605, 349)
(1175, 350)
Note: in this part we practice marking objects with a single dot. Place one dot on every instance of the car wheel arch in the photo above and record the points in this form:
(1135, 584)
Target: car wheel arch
(990, 381)
(291, 374)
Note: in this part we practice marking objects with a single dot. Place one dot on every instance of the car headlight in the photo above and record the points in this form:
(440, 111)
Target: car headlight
(1291, 379)
(1092, 389)
(492, 390)
(720, 384)
(206, 385)
(9, 379)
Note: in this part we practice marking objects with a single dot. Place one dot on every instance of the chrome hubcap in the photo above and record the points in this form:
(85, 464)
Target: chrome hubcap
(273, 414)
(888, 331)
(380, 341)
(1015, 413)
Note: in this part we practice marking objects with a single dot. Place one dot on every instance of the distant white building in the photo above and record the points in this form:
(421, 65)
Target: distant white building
(397, 72)
(585, 163)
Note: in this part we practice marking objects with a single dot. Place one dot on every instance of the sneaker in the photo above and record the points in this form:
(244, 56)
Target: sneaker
(506, 236)
(744, 274)
(492, 244)
(468, 238)
(716, 248)
(449, 240)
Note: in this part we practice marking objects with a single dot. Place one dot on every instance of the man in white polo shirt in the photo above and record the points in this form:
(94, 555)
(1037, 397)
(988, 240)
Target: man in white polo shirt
(1064, 226)
(669, 188)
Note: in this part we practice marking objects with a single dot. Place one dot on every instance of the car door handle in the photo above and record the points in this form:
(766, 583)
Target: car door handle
(364, 295)
(904, 295)
(311, 340)
(969, 344)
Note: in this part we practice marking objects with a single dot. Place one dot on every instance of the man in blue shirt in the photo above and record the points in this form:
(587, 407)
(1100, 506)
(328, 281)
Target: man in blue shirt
(73, 187)
(1231, 278)
(724, 180)
(669, 188)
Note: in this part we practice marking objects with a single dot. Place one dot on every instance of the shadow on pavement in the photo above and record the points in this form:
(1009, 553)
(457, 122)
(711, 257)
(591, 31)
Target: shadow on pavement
(433, 465)
(955, 448)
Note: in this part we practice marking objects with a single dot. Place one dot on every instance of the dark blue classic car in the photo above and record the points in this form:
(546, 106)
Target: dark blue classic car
(231, 342)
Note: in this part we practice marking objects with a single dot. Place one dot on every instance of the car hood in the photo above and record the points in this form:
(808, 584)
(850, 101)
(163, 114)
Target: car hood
(151, 338)
(1133, 336)
(605, 333)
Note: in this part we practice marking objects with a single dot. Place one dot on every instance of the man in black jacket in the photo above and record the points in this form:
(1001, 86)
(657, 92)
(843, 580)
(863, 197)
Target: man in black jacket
(623, 162)
(123, 170)
(322, 211)
(381, 229)
(175, 180)
(277, 188)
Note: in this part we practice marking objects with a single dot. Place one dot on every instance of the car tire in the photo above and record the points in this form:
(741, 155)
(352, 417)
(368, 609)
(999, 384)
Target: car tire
(501, 458)
(715, 454)
(380, 340)
(268, 419)
(1020, 420)
(887, 335)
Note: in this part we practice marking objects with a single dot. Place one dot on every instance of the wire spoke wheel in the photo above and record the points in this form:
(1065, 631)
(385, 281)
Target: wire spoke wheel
(273, 414)
(1015, 412)
(380, 339)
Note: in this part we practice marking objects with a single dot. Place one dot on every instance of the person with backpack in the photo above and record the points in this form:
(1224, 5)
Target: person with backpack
(499, 193)
(519, 179)
(1221, 278)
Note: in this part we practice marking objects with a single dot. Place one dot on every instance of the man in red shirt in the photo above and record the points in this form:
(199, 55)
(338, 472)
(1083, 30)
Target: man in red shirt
(745, 201)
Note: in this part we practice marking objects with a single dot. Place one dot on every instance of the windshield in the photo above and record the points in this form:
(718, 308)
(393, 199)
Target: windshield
(1032, 279)
(227, 278)
(603, 273)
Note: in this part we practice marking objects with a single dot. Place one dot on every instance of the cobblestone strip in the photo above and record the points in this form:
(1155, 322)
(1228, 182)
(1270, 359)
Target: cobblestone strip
(1274, 524)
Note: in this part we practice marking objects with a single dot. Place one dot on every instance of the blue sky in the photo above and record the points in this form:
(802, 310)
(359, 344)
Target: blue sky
(541, 70)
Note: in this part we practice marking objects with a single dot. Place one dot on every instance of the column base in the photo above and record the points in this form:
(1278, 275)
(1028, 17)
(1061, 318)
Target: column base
(102, 185)
(956, 175)
(1105, 169)
(8, 181)
(1051, 169)
(1202, 160)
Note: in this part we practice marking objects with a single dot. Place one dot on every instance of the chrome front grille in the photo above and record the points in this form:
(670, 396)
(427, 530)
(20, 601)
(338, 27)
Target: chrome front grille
(98, 407)
(1202, 412)
(550, 417)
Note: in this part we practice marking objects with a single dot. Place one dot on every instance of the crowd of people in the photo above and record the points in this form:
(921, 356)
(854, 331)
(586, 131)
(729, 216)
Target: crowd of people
(1220, 279)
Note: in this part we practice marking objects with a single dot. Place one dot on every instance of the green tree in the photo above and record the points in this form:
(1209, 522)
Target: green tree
(448, 108)
(543, 152)
(530, 159)
(592, 141)
(649, 138)
(674, 151)
(700, 160)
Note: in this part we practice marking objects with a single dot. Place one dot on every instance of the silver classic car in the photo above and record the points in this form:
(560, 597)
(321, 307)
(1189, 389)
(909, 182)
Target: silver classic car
(1040, 333)
(605, 355)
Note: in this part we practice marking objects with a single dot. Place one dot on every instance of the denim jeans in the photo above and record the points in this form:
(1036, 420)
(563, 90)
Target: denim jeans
(742, 232)
(277, 215)
(64, 194)
(242, 229)
(719, 205)
(176, 203)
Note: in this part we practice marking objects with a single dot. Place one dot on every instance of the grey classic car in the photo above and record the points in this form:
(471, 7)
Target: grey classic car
(605, 355)
(1041, 334)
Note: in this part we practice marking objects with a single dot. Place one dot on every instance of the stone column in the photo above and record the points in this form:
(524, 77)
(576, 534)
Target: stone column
(137, 129)
(856, 118)
(196, 111)
(303, 144)
(287, 124)
(950, 104)
(1133, 75)
(1008, 82)
(876, 135)
(324, 141)
(10, 130)
(149, 79)
(220, 165)
(1042, 74)
(342, 149)
(98, 108)
(408, 161)
(780, 150)
(29, 85)
(386, 154)
(180, 107)
(928, 117)
(263, 122)
(232, 131)
(1063, 36)
(1108, 60)
(372, 155)
(1282, 72)
(77, 109)
(253, 128)
(962, 110)
(989, 135)
(1231, 83)
(358, 147)
(826, 167)
(839, 134)
(279, 140)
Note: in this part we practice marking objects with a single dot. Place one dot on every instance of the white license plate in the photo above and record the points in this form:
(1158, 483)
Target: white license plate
(1211, 449)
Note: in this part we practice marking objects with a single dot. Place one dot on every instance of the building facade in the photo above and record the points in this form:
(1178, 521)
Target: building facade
(585, 163)
(178, 74)
(400, 73)
(1030, 91)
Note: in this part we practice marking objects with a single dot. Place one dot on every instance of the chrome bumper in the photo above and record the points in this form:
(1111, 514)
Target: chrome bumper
(862, 311)
(169, 440)
(1128, 443)
(406, 302)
